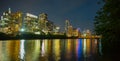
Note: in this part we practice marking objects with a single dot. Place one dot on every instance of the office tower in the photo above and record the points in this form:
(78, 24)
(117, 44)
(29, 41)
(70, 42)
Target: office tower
(30, 22)
(43, 22)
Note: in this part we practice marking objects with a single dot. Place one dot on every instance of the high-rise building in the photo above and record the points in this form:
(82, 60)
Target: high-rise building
(68, 28)
(30, 22)
(67, 24)
(75, 32)
(43, 22)
(11, 22)
(86, 33)
(70, 31)
(4, 22)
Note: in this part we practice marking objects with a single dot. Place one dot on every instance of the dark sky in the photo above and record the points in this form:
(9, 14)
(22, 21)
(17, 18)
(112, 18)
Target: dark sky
(80, 12)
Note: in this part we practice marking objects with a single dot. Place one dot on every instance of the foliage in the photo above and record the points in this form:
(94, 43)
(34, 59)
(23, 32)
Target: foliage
(107, 24)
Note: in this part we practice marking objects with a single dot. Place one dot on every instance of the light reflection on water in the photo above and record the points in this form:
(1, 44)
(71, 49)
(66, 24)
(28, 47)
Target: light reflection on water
(50, 50)
(22, 51)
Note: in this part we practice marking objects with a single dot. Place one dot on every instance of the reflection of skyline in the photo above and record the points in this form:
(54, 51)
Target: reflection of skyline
(79, 49)
(45, 50)
(69, 49)
(32, 49)
(56, 49)
(8, 51)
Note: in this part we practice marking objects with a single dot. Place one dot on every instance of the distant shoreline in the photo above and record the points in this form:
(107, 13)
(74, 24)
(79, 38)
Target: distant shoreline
(34, 36)
(30, 36)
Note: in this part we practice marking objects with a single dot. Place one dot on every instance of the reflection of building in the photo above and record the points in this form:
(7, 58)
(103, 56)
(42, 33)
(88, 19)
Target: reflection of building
(32, 50)
(12, 50)
(56, 49)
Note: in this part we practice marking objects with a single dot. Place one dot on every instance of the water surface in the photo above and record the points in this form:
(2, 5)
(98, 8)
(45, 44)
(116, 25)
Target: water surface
(50, 50)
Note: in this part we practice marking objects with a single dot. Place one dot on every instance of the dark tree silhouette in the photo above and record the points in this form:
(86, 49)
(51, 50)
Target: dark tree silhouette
(107, 24)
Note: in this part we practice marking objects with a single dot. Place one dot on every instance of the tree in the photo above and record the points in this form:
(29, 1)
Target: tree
(107, 24)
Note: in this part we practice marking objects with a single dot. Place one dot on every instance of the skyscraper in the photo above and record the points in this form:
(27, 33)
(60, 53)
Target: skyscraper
(30, 22)
(43, 22)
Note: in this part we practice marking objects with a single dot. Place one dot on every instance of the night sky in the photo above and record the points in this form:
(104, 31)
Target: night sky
(80, 12)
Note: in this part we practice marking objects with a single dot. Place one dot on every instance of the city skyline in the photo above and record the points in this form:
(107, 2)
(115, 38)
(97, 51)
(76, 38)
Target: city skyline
(15, 23)
(80, 13)
(59, 30)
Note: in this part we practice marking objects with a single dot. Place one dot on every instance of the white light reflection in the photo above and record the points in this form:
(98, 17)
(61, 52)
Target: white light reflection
(43, 48)
(100, 47)
(84, 47)
(22, 30)
(22, 51)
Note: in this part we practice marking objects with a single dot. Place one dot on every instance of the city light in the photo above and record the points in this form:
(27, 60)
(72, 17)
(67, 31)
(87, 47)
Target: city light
(37, 33)
(22, 51)
(12, 22)
(57, 27)
(31, 15)
(22, 30)
(84, 34)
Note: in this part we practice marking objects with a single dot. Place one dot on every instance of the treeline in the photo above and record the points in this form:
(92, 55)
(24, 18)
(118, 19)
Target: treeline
(4, 36)
(107, 24)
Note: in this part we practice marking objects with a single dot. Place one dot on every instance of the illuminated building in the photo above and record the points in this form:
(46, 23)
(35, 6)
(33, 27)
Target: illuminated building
(44, 24)
(70, 31)
(67, 24)
(75, 32)
(86, 34)
(10, 22)
(56, 30)
(42, 20)
(30, 23)
(4, 22)
(37, 24)
(14, 23)
(50, 25)
(68, 28)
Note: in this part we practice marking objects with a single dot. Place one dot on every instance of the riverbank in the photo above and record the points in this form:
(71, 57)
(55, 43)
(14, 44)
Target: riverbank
(33, 36)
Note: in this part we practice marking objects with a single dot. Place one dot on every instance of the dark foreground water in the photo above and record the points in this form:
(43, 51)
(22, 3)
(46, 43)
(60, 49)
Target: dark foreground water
(50, 50)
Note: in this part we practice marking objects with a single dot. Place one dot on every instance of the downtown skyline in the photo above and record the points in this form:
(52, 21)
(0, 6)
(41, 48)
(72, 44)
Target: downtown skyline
(16, 23)
(80, 13)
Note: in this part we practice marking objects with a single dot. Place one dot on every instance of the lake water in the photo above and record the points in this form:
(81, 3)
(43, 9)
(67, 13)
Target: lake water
(50, 50)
